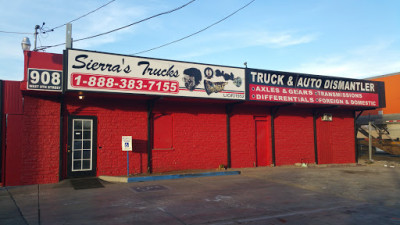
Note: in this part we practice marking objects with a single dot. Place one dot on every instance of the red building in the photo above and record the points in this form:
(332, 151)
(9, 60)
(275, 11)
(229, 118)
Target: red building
(90, 114)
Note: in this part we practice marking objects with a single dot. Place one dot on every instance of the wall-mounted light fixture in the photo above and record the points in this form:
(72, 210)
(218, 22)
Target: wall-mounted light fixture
(81, 96)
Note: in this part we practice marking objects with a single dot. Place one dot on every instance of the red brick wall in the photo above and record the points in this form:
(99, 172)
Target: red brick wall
(336, 138)
(41, 140)
(116, 118)
(32, 138)
(198, 132)
(294, 136)
(243, 131)
(199, 137)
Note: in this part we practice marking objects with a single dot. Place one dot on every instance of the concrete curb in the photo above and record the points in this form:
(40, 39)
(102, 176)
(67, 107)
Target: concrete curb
(166, 177)
(114, 179)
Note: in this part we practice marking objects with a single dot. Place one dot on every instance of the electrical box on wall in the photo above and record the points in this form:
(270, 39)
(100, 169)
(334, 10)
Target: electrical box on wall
(326, 117)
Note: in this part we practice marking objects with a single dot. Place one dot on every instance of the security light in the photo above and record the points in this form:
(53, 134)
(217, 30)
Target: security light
(26, 44)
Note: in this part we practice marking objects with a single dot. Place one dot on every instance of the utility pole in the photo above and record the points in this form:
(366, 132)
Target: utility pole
(68, 36)
(36, 34)
(370, 141)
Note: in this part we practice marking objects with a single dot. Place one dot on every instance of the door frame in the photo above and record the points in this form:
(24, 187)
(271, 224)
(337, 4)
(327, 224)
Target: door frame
(89, 173)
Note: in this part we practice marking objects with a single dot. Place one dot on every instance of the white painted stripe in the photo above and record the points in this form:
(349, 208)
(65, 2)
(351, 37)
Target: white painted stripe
(253, 219)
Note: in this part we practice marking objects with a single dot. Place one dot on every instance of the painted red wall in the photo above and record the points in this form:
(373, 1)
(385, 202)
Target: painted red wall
(32, 152)
(336, 141)
(32, 136)
(243, 135)
(41, 125)
(12, 102)
(11, 136)
(41, 140)
(199, 137)
(199, 132)
(294, 136)
(116, 118)
(13, 154)
(41, 60)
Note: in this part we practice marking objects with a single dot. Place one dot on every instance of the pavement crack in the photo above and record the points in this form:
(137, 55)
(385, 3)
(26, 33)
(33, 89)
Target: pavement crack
(170, 214)
(16, 205)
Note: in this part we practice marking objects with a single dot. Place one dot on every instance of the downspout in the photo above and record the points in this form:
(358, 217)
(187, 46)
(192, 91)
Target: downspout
(274, 110)
(228, 110)
(60, 168)
(355, 133)
(150, 106)
(62, 108)
(315, 116)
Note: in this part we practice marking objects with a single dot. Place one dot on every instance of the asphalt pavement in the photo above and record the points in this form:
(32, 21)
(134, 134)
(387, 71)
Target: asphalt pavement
(336, 194)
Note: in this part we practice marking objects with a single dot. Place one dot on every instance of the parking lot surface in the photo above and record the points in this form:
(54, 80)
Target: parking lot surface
(336, 194)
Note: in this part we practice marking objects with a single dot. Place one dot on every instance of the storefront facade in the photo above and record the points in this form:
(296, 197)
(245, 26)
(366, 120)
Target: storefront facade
(87, 113)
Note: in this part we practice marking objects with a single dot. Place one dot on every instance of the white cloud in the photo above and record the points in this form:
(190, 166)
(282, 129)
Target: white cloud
(360, 62)
(279, 40)
(260, 38)
(238, 40)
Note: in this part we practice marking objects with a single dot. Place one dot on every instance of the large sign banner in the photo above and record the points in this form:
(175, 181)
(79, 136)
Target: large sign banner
(276, 86)
(103, 72)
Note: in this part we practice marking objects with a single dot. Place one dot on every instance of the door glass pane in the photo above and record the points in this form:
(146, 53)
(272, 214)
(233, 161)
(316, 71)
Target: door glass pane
(86, 164)
(87, 125)
(77, 135)
(77, 145)
(86, 154)
(77, 165)
(77, 124)
(86, 144)
(77, 154)
(87, 134)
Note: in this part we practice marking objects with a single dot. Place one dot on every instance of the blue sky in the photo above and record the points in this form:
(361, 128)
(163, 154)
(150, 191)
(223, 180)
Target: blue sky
(346, 38)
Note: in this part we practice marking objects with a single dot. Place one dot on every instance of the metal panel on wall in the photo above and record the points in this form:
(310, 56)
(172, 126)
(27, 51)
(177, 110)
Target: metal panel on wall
(101, 72)
(12, 97)
(276, 86)
(14, 153)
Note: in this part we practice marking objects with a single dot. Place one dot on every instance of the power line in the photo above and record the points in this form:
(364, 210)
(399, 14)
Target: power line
(51, 46)
(197, 32)
(12, 32)
(123, 27)
(80, 17)
(49, 30)
(126, 26)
